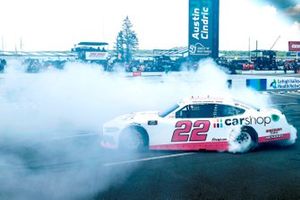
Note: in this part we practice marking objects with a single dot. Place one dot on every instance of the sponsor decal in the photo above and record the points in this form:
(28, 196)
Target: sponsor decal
(275, 118)
(194, 48)
(199, 49)
(218, 139)
(243, 121)
(274, 130)
(284, 83)
(276, 137)
(248, 121)
(218, 123)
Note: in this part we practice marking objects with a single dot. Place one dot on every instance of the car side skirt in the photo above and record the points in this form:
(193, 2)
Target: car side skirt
(213, 146)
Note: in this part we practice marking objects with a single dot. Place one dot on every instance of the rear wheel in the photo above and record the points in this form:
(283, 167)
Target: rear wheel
(243, 142)
(244, 139)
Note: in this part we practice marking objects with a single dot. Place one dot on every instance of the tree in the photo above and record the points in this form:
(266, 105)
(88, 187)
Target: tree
(120, 47)
(127, 42)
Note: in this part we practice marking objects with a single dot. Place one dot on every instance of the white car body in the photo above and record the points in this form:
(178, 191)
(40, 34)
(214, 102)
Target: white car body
(199, 123)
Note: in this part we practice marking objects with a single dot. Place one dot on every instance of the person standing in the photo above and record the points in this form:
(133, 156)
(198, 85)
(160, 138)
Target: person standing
(2, 65)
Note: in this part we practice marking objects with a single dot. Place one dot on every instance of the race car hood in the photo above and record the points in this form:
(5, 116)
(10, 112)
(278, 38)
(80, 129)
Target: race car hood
(133, 117)
(146, 115)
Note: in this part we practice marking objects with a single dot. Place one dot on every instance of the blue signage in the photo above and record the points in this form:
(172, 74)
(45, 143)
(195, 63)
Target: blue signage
(203, 29)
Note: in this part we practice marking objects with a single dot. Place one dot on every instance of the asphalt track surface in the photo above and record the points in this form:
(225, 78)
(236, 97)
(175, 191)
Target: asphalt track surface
(269, 172)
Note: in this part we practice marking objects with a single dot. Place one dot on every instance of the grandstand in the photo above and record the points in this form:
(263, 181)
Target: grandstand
(39, 54)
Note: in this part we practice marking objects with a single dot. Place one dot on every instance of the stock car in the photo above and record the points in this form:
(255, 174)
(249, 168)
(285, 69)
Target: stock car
(199, 123)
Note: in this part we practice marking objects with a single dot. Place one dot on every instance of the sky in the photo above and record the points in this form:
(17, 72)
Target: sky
(35, 25)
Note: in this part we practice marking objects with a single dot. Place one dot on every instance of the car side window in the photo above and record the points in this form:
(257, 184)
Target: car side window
(182, 113)
(197, 111)
(227, 111)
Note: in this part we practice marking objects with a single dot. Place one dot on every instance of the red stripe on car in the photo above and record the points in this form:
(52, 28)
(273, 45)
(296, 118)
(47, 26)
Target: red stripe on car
(216, 146)
(275, 137)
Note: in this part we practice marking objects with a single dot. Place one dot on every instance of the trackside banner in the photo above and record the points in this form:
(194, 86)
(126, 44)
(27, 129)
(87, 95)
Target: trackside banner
(283, 83)
(203, 29)
(96, 55)
(274, 83)
(294, 45)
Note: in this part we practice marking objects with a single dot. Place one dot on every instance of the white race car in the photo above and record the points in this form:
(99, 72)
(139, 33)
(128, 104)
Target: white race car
(199, 123)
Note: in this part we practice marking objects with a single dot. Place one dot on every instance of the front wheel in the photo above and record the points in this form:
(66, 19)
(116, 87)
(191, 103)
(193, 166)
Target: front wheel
(132, 140)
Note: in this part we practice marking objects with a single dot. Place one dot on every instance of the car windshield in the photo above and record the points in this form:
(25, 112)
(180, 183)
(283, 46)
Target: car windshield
(248, 105)
(169, 110)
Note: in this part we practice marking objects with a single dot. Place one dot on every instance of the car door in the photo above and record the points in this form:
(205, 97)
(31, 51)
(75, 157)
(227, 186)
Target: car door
(226, 119)
(188, 124)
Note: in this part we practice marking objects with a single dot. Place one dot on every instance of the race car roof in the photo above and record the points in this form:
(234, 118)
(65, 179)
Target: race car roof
(217, 100)
(208, 99)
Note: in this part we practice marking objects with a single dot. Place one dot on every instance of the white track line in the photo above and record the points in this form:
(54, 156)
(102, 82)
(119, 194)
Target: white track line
(294, 93)
(284, 104)
(147, 159)
(74, 136)
(287, 95)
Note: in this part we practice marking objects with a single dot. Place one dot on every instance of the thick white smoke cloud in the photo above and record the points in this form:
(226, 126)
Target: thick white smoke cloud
(49, 107)
(293, 137)
(82, 96)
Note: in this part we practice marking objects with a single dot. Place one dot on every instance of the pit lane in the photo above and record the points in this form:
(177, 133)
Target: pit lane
(270, 172)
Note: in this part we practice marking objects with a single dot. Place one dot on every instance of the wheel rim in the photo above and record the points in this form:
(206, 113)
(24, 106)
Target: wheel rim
(244, 138)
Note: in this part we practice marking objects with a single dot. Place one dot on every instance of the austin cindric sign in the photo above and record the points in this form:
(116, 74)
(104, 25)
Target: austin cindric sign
(203, 28)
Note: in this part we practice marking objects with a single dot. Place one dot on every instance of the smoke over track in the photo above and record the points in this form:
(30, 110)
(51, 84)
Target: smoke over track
(291, 8)
(42, 113)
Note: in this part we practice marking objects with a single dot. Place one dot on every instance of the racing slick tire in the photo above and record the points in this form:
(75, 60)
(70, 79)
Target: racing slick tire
(133, 139)
(245, 141)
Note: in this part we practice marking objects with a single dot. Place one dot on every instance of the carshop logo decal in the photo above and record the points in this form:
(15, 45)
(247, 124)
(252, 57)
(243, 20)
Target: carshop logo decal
(243, 121)
(218, 123)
